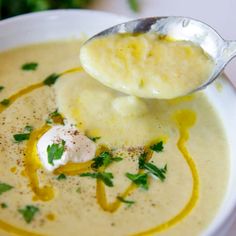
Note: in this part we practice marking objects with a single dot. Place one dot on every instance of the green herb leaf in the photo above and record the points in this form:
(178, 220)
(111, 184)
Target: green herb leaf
(104, 159)
(4, 188)
(133, 4)
(158, 172)
(21, 137)
(157, 147)
(55, 151)
(4, 205)
(28, 212)
(106, 177)
(1, 88)
(142, 160)
(30, 66)
(28, 128)
(129, 202)
(55, 117)
(139, 179)
(5, 102)
(152, 169)
(61, 177)
(51, 79)
(94, 139)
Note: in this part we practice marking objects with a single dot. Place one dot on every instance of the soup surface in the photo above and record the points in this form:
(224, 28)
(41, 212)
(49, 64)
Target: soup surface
(147, 65)
(173, 152)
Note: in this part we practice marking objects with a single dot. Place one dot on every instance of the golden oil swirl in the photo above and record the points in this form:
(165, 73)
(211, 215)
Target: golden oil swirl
(185, 119)
(32, 165)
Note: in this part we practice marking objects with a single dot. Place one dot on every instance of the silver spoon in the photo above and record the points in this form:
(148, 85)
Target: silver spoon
(183, 28)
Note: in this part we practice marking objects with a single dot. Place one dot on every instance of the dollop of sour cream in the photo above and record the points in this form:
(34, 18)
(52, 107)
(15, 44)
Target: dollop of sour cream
(77, 147)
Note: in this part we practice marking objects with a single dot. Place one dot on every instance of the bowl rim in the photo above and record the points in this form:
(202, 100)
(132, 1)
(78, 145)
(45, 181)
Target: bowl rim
(213, 227)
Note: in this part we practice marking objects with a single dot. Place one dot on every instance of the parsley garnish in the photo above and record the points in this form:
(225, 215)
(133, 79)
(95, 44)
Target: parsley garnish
(4, 205)
(128, 202)
(23, 136)
(142, 160)
(139, 179)
(133, 4)
(157, 172)
(104, 159)
(4, 188)
(157, 147)
(94, 139)
(54, 113)
(51, 79)
(30, 66)
(106, 177)
(28, 128)
(61, 177)
(1, 88)
(5, 102)
(55, 117)
(151, 168)
(55, 151)
(28, 212)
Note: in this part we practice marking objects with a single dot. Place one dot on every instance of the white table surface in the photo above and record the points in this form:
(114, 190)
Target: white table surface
(220, 14)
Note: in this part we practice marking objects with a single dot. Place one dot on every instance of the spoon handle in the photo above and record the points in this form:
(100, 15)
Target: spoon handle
(230, 50)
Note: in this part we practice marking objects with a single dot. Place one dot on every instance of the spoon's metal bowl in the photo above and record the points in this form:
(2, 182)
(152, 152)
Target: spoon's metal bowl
(183, 28)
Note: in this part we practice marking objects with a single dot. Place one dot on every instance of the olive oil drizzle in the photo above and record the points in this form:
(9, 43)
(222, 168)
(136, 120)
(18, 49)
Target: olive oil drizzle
(31, 88)
(15, 230)
(74, 168)
(185, 119)
(101, 191)
(46, 192)
(32, 164)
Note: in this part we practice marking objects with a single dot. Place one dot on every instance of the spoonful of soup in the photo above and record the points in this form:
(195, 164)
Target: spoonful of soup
(159, 57)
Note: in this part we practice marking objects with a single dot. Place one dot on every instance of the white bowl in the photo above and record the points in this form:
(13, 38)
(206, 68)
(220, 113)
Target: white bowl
(64, 24)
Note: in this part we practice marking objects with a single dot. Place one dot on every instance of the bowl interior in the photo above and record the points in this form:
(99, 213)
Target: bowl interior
(64, 24)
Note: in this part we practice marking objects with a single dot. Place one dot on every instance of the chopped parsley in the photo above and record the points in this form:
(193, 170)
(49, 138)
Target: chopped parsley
(142, 160)
(128, 202)
(29, 66)
(54, 113)
(151, 168)
(157, 172)
(5, 102)
(133, 4)
(61, 177)
(139, 179)
(106, 177)
(55, 117)
(51, 79)
(4, 205)
(157, 147)
(55, 151)
(1, 88)
(28, 212)
(28, 128)
(21, 137)
(4, 188)
(94, 139)
(104, 159)
(25, 135)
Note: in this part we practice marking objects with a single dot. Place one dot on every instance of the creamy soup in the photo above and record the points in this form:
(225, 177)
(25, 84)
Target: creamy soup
(147, 65)
(161, 166)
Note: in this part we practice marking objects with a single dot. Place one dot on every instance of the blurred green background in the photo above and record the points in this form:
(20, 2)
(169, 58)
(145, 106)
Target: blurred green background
(10, 8)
